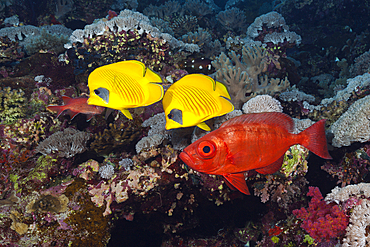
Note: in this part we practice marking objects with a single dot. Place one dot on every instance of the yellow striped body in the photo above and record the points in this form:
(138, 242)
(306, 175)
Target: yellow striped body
(196, 98)
(123, 85)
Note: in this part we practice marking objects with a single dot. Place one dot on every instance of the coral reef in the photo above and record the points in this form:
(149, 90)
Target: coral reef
(231, 19)
(242, 77)
(70, 182)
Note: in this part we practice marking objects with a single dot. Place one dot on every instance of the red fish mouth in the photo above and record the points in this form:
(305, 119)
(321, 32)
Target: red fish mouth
(186, 158)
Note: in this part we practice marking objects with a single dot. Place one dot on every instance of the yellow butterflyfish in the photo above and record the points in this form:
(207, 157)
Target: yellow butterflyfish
(124, 85)
(194, 99)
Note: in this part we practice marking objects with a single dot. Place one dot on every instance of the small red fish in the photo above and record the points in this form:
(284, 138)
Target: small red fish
(275, 230)
(76, 106)
(255, 141)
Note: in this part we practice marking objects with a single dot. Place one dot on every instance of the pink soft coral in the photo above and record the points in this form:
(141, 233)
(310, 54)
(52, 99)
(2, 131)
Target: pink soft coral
(322, 221)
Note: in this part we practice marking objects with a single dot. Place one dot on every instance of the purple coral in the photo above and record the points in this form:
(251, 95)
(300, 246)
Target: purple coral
(322, 221)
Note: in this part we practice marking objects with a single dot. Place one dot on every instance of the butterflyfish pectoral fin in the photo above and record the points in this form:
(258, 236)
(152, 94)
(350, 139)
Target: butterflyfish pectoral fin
(126, 113)
(237, 180)
(204, 126)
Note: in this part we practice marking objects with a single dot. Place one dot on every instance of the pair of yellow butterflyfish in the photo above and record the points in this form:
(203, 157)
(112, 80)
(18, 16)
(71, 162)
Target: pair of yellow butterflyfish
(190, 101)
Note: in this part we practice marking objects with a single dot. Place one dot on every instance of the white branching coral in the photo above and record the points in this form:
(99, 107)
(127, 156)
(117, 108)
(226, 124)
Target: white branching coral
(231, 19)
(66, 143)
(353, 125)
(106, 171)
(357, 233)
(126, 163)
(262, 103)
(156, 134)
(343, 194)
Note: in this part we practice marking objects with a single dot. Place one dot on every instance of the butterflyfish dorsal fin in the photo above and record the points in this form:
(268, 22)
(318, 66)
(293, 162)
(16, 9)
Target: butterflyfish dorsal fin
(199, 81)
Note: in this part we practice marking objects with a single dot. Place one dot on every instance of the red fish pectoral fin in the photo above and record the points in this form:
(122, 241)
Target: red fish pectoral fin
(237, 180)
(272, 168)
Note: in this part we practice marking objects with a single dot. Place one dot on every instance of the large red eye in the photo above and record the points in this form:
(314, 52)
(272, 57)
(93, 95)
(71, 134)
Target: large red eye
(207, 149)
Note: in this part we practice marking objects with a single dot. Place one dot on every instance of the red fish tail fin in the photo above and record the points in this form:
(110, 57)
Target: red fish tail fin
(314, 139)
(58, 108)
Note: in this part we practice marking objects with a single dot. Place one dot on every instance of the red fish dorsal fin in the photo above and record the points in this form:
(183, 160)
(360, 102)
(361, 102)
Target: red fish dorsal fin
(272, 168)
(66, 99)
(271, 118)
(237, 180)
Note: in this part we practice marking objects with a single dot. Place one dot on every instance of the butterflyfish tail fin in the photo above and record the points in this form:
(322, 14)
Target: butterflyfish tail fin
(222, 90)
(226, 106)
(314, 139)
(126, 113)
(155, 94)
(204, 126)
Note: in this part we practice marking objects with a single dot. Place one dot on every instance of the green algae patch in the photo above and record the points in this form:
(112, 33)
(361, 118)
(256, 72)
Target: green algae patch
(43, 166)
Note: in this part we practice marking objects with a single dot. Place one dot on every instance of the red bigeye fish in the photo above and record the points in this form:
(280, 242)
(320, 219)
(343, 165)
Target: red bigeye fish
(256, 141)
(76, 106)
